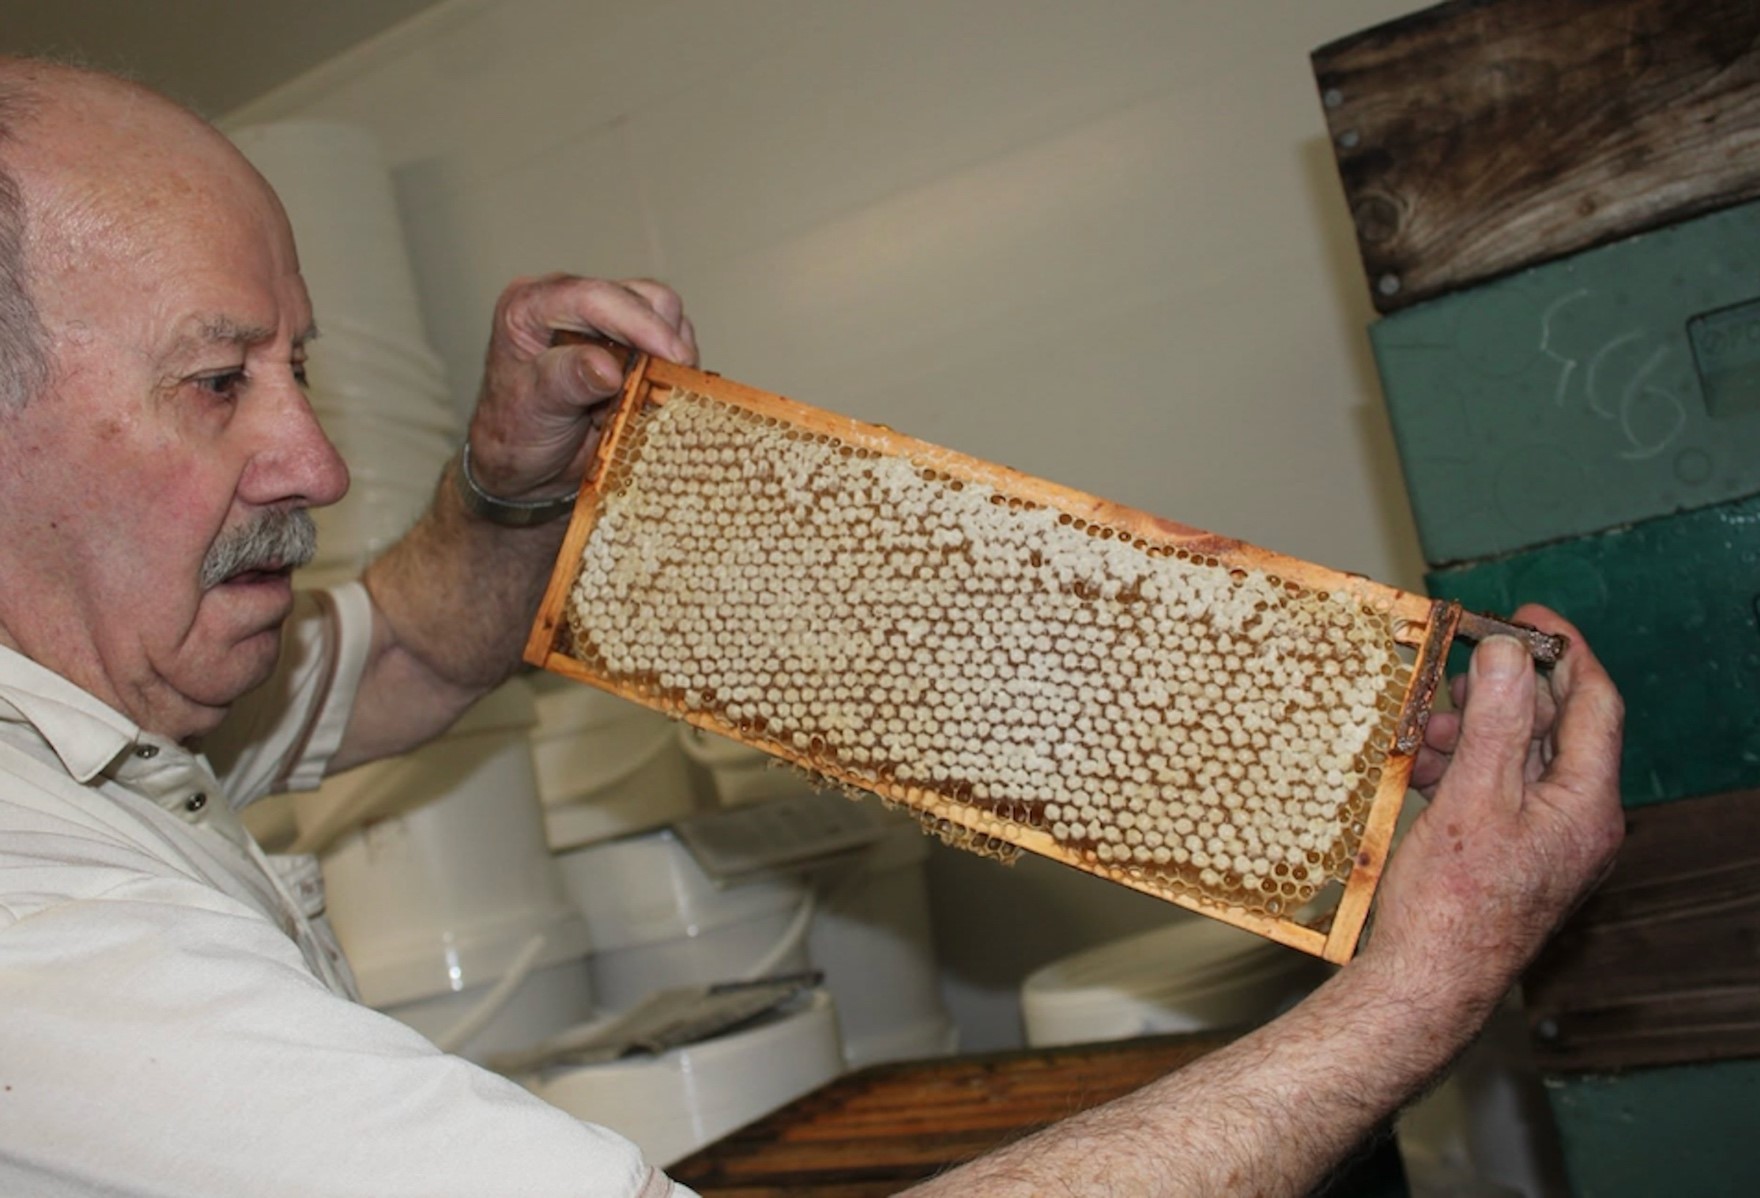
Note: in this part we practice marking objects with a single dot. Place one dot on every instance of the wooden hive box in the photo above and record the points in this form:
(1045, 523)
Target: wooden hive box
(1645, 1009)
(1609, 387)
(883, 1129)
(1671, 606)
(1480, 136)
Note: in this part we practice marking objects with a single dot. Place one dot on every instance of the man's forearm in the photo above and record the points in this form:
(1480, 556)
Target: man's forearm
(455, 599)
(1270, 1114)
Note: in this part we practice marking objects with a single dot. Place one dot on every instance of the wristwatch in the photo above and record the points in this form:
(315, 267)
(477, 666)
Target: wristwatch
(512, 513)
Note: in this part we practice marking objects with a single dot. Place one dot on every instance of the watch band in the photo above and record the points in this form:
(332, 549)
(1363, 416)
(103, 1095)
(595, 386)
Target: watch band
(513, 513)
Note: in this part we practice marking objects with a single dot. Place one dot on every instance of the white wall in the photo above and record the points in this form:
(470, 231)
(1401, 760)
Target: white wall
(1101, 242)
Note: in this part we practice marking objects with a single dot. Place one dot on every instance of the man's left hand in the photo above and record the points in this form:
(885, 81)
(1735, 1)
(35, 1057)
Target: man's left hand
(536, 424)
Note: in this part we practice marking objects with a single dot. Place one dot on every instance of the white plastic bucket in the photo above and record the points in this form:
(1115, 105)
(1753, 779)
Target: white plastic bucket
(658, 921)
(530, 997)
(924, 1038)
(393, 470)
(380, 393)
(738, 773)
(435, 863)
(373, 517)
(384, 446)
(354, 349)
(622, 977)
(336, 187)
(872, 937)
(606, 767)
(362, 393)
(1192, 975)
(675, 1103)
(411, 357)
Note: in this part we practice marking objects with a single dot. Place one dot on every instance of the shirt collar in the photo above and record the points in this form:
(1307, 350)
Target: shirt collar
(86, 733)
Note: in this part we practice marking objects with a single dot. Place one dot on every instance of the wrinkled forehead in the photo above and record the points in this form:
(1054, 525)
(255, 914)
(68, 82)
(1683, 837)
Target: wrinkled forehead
(109, 208)
(142, 220)
(107, 168)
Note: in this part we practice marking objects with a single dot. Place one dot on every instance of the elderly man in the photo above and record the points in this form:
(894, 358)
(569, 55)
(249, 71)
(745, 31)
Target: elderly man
(173, 1021)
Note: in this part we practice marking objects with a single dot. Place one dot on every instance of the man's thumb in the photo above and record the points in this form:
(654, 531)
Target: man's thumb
(1497, 721)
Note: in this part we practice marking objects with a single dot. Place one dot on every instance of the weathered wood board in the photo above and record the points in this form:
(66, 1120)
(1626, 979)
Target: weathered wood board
(1660, 966)
(1477, 137)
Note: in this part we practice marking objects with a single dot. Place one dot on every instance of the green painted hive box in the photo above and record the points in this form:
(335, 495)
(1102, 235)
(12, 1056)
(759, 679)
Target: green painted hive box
(1612, 386)
(1672, 607)
(1656, 1133)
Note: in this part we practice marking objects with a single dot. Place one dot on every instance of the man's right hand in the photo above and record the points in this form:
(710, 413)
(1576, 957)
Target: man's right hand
(1524, 821)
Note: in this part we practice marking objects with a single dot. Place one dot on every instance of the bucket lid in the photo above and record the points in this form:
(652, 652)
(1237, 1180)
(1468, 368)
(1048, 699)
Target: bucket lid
(713, 751)
(571, 824)
(674, 1103)
(647, 889)
(445, 966)
(1194, 955)
(566, 706)
(804, 831)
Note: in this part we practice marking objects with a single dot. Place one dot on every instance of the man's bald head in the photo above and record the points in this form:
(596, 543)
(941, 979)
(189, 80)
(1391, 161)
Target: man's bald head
(80, 151)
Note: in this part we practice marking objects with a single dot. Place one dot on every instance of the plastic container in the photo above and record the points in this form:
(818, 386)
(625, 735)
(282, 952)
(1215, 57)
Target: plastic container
(393, 469)
(891, 1039)
(675, 1103)
(657, 921)
(383, 445)
(606, 767)
(872, 937)
(439, 878)
(512, 1004)
(1192, 975)
(1486, 1128)
(362, 392)
(358, 349)
(738, 773)
(379, 391)
(336, 187)
(373, 517)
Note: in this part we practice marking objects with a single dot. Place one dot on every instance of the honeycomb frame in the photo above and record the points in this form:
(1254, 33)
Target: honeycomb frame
(1423, 627)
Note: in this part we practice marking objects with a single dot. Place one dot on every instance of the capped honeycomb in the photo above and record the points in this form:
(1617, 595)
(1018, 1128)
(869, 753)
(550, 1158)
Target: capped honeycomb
(1196, 726)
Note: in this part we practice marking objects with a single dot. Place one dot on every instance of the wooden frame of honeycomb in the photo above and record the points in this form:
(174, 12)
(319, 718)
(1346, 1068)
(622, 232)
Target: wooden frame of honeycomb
(1020, 665)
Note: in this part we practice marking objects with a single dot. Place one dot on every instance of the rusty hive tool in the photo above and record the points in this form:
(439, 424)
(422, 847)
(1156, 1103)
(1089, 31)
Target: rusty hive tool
(1019, 665)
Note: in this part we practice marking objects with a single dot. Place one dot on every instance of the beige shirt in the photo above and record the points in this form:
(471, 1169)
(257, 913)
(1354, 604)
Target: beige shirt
(175, 1017)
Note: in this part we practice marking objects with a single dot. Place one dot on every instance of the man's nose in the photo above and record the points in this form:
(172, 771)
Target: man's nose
(296, 462)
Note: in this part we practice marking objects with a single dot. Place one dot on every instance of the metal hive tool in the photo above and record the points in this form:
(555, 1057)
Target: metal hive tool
(1021, 666)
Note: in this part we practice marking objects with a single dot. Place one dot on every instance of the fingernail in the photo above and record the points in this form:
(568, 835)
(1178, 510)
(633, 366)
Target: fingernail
(1500, 658)
(603, 375)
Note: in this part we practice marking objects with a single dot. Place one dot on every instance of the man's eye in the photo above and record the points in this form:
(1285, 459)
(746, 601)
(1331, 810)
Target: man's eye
(299, 374)
(226, 384)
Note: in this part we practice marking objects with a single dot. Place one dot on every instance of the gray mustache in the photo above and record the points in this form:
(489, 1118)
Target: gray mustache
(274, 540)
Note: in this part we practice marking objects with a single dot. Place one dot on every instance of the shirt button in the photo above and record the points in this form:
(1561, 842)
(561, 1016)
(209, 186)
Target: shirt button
(147, 752)
(195, 802)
